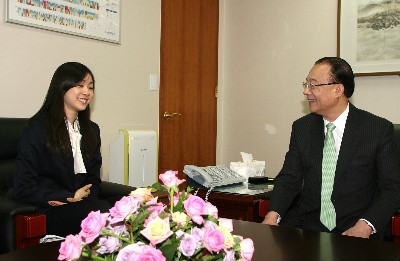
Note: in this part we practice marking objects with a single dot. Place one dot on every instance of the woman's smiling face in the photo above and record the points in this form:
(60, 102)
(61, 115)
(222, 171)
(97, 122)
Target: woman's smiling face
(77, 98)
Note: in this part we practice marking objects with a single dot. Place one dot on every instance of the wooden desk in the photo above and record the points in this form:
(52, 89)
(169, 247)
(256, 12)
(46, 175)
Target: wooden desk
(281, 243)
(272, 244)
(239, 202)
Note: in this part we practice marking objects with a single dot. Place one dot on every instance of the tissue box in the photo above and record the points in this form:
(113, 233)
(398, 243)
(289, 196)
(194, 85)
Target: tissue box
(250, 169)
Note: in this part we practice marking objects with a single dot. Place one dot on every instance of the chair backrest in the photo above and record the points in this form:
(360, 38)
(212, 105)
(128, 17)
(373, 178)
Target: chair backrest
(10, 133)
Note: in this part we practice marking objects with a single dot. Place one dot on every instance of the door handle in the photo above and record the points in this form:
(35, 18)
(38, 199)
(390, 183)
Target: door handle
(169, 115)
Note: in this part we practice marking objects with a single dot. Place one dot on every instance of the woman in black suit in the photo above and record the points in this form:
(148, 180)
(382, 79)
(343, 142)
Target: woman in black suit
(59, 160)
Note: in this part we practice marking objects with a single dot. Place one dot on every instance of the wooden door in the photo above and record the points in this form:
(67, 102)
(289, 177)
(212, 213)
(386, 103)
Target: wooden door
(188, 80)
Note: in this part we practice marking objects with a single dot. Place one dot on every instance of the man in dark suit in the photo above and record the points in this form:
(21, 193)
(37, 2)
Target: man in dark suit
(365, 188)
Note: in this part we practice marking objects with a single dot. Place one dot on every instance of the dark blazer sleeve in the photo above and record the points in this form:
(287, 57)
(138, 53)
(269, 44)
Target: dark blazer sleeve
(296, 185)
(288, 182)
(40, 175)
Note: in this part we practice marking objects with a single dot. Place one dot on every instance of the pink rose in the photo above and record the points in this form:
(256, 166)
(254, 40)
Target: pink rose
(194, 207)
(213, 239)
(92, 225)
(246, 249)
(71, 248)
(210, 210)
(150, 254)
(227, 223)
(169, 179)
(122, 208)
(176, 198)
(155, 210)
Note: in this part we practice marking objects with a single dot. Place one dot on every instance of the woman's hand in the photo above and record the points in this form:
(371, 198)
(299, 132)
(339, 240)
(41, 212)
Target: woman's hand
(81, 193)
(56, 203)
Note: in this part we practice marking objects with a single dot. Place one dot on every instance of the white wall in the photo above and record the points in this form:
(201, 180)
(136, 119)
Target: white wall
(266, 51)
(29, 57)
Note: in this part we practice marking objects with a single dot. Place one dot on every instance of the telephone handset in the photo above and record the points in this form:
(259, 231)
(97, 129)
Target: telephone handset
(213, 176)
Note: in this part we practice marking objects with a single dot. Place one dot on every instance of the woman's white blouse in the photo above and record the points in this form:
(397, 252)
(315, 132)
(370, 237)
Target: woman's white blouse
(75, 137)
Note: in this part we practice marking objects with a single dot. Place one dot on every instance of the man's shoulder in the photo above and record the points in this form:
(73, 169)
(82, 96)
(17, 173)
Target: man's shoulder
(367, 117)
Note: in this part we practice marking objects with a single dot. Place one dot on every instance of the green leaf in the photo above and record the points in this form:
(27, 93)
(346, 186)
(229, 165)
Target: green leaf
(212, 219)
(189, 189)
(169, 247)
(219, 256)
(157, 186)
(179, 204)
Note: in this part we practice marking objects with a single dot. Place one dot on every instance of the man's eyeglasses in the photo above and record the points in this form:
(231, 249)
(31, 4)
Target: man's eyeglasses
(312, 86)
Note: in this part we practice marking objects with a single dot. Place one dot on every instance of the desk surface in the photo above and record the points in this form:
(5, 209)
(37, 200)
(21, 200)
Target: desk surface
(272, 244)
(280, 243)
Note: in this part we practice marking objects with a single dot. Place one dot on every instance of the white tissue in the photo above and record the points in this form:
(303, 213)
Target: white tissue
(246, 157)
(248, 167)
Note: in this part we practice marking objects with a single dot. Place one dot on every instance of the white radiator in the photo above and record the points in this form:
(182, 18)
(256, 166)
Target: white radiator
(134, 158)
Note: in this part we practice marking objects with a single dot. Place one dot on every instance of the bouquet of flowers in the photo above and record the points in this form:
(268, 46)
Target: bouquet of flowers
(139, 227)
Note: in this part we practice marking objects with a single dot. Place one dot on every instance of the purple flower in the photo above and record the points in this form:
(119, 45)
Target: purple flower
(188, 245)
(198, 234)
(108, 245)
(130, 252)
(140, 252)
(229, 255)
(117, 228)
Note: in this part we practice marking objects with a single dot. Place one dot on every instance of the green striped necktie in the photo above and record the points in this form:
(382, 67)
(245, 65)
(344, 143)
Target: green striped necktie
(328, 214)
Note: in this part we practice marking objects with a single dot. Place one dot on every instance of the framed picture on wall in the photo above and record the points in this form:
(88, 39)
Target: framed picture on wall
(369, 36)
(98, 19)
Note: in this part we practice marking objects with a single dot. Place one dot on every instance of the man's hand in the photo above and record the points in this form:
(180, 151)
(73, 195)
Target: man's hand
(81, 193)
(271, 218)
(360, 229)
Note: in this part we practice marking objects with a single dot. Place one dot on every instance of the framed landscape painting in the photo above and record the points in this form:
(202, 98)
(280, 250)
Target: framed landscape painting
(369, 36)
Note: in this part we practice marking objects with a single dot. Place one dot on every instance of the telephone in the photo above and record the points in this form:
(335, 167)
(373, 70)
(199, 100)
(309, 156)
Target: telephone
(213, 176)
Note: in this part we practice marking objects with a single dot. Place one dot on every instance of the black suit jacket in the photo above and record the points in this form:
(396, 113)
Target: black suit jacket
(367, 178)
(42, 175)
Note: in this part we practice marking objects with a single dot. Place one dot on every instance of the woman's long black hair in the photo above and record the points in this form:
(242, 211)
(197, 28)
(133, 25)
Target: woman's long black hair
(65, 77)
